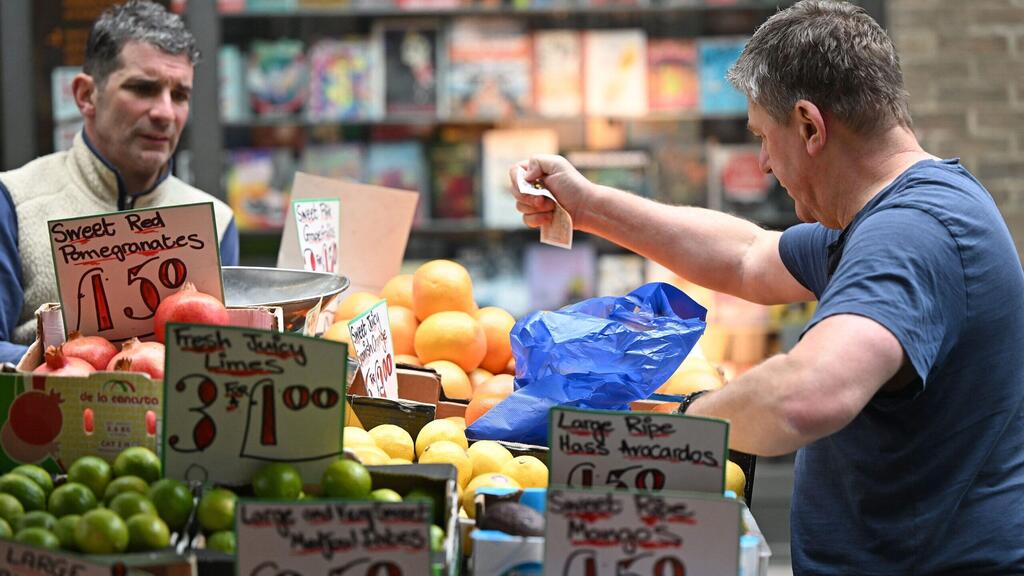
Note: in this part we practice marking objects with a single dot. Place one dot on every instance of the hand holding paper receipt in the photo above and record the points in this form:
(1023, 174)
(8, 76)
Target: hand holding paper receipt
(549, 192)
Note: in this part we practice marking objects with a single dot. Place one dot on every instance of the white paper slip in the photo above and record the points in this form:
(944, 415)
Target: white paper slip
(559, 231)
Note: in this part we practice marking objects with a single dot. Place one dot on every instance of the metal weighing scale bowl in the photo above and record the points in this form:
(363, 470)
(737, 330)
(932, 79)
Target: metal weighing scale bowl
(296, 292)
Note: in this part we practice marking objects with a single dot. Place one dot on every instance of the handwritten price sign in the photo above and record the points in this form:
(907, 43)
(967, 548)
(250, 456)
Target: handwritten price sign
(637, 450)
(317, 223)
(25, 560)
(602, 532)
(371, 337)
(114, 269)
(333, 537)
(236, 399)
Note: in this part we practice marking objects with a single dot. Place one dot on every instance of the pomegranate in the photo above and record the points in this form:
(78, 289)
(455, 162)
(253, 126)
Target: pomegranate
(138, 356)
(59, 364)
(95, 350)
(189, 306)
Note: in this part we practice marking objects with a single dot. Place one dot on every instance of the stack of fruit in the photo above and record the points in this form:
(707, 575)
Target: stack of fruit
(100, 509)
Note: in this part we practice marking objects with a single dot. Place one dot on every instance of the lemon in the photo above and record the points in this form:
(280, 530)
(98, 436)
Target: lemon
(528, 471)
(440, 430)
(352, 437)
(735, 479)
(448, 452)
(488, 456)
(489, 480)
(393, 440)
(351, 418)
(458, 420)
(399, 461)
(370, 455)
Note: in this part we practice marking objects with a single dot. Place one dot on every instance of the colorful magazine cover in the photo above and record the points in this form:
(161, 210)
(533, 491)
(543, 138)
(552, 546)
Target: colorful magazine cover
(735, 176)
(234, 97)
(629, 170)
(338, 161)
(410, 52)
(258, 181)
(716, 56)
(501, 149)
(615, 72)
(277, 77)
(672, 75)
(488, 68)
(558, 73)
(399, 165)
(454, 174)
(340, 80)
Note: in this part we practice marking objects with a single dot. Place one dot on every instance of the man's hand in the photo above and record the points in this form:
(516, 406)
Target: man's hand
(572, 190)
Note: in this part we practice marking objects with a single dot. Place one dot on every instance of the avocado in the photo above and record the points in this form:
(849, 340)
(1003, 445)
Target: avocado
(512, 518)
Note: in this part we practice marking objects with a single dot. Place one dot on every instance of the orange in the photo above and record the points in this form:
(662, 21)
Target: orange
(666, 407)
(355, 304)
(454, 336)
(478, 377)
(497, 323)
(510, 368)
(454, 381)
(403, 328)
(339, 333)
(409, 359)
(441, 285)
(479, 406)
(498, 385)
(398, 291)
(693, 374)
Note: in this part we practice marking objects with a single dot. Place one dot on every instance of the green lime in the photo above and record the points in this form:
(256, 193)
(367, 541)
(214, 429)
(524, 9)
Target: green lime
(36, 519)
(101, 532)
(129, 504)
(422, 494)
(223, 541)
(138, 461)
(92, 471)
(124, 484)
(347, 479)
(10, 508)
(278, 481)
(436, 537)
(71, 498)
(5, 530)
(26, 491)
(173, 501)
(65, 531)
(38, 537)
(216, 510)
(37, 475)
(147, 532)
(385, 495)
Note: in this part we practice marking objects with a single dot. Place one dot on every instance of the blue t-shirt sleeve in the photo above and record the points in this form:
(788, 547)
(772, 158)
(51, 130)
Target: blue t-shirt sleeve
(804, 251)
(11, 296)
(902, 269)
(229, 245)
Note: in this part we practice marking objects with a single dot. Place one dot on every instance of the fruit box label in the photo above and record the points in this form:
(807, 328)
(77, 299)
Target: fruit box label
(239, 398)
(637, 450)
(114, 269)
(371, 337)
(610, 532)
(317, 222)
(333, 537)
(31, 561)
(52, 421)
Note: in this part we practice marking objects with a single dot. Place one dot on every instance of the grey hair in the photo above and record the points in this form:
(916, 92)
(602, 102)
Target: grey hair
(135, 21)
(832, 54)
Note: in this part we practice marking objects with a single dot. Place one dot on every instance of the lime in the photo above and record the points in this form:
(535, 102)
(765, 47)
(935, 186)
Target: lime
(38, 537)
(65, 531)
(138, 461)
(422, 494)
(223, 541)
(277, 480)
(385, 495)
(173, 501)
(101, 532)
(71, 498)
(436, 537)
(129, 504)
(147, 532)
(10, 508)
(37, 475)
(124, 484)
(36, 519)
(216, 510)
(92, 471)
(5, 530)
(347, 479)
(26, 491)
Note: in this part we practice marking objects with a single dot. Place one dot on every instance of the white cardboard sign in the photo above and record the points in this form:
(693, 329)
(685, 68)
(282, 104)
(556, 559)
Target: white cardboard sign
(25, 560)
(317, 222)
(238, 398)
(371, 337)
(610, 533)
(333, 537)
(637, 450)
(114, 269)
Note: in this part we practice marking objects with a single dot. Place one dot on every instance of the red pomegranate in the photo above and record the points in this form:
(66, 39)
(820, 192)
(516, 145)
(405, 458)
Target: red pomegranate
(189, 306)
(35, 417)
(95, 350)
(59, 364)
(138, 356)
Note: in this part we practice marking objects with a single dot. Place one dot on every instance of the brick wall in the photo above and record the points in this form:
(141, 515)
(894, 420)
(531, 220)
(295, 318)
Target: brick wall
(963, 62)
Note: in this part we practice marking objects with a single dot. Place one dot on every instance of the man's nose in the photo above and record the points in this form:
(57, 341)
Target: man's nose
(763, 161)
(162, 109)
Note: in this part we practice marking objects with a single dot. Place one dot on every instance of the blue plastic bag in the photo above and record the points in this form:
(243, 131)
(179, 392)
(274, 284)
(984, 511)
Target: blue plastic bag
(599, 353)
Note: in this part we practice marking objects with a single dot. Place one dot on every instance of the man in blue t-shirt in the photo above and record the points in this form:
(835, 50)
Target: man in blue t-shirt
(904, 395)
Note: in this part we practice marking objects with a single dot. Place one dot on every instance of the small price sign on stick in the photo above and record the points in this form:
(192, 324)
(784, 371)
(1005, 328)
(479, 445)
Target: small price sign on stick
(236, 399)
(114, 269)
(371, 337)
(317, 222)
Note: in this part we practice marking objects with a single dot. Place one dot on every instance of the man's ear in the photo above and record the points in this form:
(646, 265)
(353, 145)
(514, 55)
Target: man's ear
(84, 89)
(811, 123)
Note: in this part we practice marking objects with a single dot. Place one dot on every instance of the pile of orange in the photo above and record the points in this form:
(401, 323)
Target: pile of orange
(436, 323)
